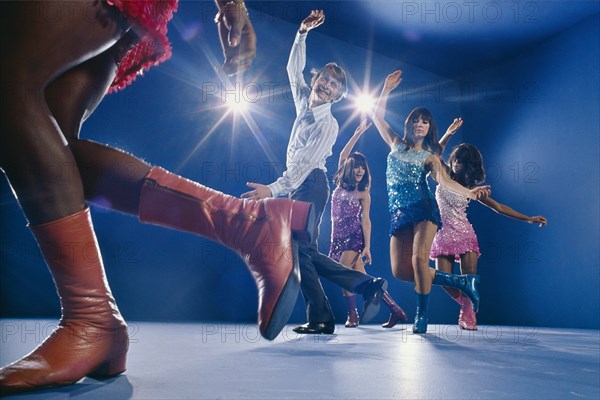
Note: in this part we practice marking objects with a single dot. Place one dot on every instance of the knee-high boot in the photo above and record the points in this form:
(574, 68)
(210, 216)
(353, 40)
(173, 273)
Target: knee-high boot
(466, 318)
(352, 321)
(420, 325)
(465, 283)
(259, 231)
(397, 314)
(91, 338)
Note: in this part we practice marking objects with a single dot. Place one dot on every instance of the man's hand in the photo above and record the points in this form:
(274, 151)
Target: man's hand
(316, 18)
(238, 39)
(259, 192)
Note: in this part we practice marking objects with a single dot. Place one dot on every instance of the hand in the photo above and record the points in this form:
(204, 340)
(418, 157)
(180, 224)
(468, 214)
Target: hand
(238, 39)
(538, 219)
(365, 256)
(480, 192)
(316, 18)
(392, 81)
(454, 126)
(259, 192)
(362, 127)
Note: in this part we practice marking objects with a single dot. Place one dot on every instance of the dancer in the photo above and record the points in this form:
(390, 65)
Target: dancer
(456, 240)
(350, 221)
(104, 49)
(413, 210)
(313, 135)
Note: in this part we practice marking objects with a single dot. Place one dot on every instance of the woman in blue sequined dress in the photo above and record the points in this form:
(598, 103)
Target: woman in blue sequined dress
(414, 213)
(350, 221)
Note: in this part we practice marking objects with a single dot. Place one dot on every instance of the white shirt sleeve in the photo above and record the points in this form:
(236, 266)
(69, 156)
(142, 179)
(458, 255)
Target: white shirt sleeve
(295, 68)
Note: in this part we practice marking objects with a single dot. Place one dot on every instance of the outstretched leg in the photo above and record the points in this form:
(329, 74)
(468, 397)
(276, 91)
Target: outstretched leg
(261, 232)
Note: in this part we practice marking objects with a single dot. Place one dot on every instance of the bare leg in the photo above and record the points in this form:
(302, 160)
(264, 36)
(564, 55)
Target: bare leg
(401, 245)
(33, 154)
(350, 259)
(468, 263)
(444, 264)
(111, 177)
(424, 234)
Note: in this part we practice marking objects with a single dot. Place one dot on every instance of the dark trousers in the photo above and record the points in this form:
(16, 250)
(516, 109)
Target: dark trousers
(315, 189)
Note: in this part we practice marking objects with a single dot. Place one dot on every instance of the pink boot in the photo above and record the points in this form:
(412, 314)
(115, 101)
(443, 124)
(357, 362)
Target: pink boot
(352, 321)
(466, 319)
(397, 314)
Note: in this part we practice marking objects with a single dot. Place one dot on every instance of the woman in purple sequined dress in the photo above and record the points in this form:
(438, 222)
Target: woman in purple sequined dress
(350, 221)
(456, 240)
(413, 210)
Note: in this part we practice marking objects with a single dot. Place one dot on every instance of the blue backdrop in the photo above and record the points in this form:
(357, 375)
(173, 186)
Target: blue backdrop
(535, 117)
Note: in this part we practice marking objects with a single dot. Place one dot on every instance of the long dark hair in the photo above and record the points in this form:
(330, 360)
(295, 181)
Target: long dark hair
(344, 177)
(471, 172)
(430, 142)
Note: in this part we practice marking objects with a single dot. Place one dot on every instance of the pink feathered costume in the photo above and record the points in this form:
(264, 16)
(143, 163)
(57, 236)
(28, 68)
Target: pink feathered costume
(152, 16)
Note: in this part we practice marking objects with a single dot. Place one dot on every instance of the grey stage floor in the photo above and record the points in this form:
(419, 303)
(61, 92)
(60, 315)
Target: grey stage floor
(228, 361)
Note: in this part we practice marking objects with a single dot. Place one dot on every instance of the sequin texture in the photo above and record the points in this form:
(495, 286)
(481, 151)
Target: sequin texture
(346, 232)
(410, 199)
(457, 235)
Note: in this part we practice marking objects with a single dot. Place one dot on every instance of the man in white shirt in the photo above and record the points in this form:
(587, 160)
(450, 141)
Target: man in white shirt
(313, 135)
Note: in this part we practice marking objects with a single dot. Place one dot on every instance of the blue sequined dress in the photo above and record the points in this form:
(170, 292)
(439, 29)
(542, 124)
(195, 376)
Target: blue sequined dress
(346, 228)
(410, 199)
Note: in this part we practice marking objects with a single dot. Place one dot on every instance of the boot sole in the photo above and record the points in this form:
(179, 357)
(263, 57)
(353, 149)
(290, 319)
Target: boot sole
(303, 220)
(287, 299)
(373, 307)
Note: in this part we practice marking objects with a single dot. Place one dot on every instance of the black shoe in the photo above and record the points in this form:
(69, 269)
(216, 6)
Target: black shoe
(372, 294)
(316, 328)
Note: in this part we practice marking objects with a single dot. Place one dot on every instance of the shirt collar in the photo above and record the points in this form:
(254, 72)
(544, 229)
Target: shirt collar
(321, 111)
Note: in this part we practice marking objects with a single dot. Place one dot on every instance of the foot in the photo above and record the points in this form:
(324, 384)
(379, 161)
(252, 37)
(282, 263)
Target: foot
(352, 321)
(372, 295)
(395, 317)
(316, 328)
(467, 319)
(420, 325)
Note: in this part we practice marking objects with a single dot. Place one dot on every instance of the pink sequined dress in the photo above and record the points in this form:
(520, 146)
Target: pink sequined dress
(152, 17)
(456, 236)
(346, 228)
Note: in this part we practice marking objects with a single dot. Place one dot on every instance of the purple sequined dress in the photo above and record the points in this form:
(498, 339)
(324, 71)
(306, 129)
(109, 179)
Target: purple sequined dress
(457, 235)
(346, 228)
(409, 196)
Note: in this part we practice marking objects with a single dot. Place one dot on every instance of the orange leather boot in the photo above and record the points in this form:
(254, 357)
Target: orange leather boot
(91, 338)
(259, 231)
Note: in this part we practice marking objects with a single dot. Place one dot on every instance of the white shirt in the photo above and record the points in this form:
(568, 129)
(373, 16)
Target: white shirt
(314, 131)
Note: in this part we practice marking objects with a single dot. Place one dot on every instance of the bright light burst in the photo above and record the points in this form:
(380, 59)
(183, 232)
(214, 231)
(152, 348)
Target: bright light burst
(236, 104)
(364, 103)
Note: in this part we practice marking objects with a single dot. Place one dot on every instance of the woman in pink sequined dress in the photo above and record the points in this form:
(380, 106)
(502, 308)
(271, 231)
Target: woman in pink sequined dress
(60, 58)
(456, 241)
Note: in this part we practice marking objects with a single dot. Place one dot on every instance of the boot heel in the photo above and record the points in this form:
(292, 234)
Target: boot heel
(110, 368)
(302, 220)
